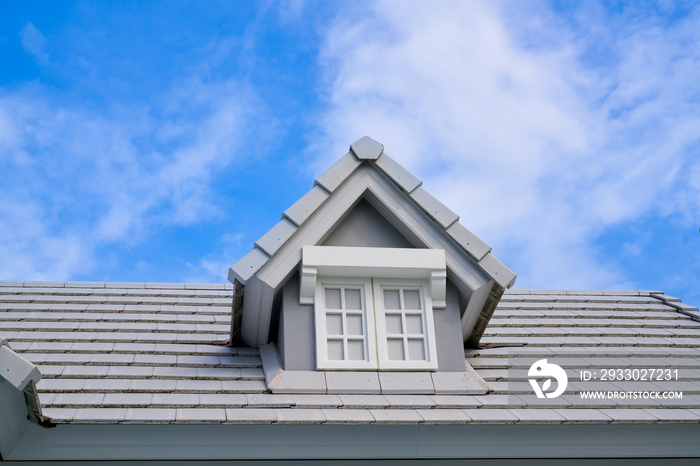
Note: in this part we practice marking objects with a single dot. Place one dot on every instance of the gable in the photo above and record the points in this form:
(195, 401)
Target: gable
(328, 212)
(365, 227)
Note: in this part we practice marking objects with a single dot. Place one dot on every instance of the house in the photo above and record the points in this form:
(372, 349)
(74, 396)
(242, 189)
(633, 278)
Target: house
(367, 324)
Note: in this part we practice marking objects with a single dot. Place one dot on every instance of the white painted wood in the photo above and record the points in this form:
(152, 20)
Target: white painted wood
(398, 174)
(306, 205)
(307, 284)
(17, 370)
(271, 241)
(438, 288)
(386, 360)
(337, 261)
(339, 172)
(367, 148)
(375, 262)
(248, 266)
(471, 243)
(499, 272)
(391, 202)
(436, 209)
(323, 361)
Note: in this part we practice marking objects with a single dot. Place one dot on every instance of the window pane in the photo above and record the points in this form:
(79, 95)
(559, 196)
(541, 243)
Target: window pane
(416, 350)
(356, 350)
(353, 299)
(411, 299)
(395, 349)
(332, 298)
(335, 350)
(354, 323)
(391, 299)
(414, 324)
(334, 324)
(393, 324)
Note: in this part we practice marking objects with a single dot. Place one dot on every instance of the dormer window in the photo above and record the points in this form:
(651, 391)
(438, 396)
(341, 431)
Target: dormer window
(405, 329)
(351, 286)
(378, 314)
(345, 324)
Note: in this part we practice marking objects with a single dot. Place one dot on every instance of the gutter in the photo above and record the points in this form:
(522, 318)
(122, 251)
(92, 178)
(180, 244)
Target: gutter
(182, 442)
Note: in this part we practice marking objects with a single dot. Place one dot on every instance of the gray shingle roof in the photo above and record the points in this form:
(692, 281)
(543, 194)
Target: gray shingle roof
(143, 352)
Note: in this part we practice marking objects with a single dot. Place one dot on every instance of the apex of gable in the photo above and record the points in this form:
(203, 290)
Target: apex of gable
(367, 148)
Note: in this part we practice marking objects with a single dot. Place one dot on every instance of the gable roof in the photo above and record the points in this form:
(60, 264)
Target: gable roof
(150, 353)
(367, 172)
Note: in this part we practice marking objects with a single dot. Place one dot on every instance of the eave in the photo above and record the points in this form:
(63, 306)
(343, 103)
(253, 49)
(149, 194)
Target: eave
(554, 442)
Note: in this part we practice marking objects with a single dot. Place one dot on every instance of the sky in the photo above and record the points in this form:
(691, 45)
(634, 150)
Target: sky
(157, 141)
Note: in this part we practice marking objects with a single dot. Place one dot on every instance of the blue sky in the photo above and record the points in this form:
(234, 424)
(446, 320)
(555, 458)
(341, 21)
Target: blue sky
(153, 141)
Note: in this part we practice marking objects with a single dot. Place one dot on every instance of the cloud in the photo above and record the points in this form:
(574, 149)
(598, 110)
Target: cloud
(542, 129)
(75, 178)
(33, 42)
(214, 266)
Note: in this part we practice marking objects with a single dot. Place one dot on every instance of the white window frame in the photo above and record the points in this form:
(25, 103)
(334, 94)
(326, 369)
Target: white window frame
(428, 325)
(372, 267)
(370, 349)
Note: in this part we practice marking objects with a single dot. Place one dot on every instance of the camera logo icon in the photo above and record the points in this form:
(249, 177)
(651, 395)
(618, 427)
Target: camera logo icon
(543, 370)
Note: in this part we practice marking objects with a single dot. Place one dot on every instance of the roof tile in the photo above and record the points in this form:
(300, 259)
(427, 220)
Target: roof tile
(398, 174)
(434, 208)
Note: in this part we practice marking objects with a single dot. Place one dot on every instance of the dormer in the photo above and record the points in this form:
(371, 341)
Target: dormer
(368, 284)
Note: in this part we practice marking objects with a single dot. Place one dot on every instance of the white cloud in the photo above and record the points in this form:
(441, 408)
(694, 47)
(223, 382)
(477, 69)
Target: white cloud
(95, 179)
(33, 42)
(214, 267)
(540, 132)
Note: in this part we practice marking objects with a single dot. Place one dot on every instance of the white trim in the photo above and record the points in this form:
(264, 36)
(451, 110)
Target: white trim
(370, 350)
(307, 284)
(385, 196)
(428, 325)
(403, 263)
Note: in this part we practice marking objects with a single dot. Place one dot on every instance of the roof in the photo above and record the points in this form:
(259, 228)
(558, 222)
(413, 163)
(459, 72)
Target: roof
(366, 172)
(367, 149)
(153, 353)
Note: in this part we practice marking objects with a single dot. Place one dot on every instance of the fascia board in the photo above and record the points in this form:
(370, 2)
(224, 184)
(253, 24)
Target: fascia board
(314, 229)
(332, 178)
(123, 442)
(271, 241)
(302, 209)
(469, 241)
(499, 272)
(16, 370)
(394, 170)
(436, 209)
(463, 270)
(248, 265)
(402, 208)
(395, 203)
